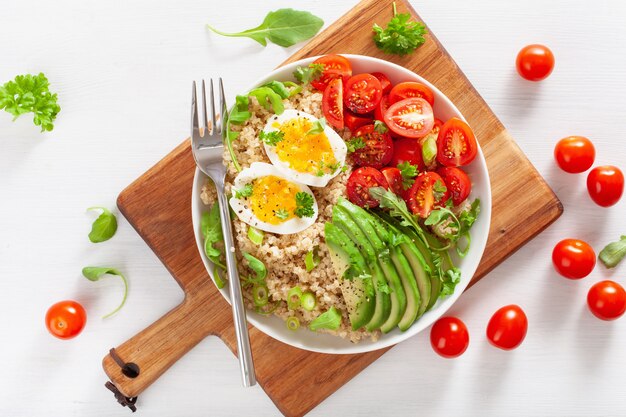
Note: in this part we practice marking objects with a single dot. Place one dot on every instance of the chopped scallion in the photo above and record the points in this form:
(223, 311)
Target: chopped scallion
(293, 323)
(294, 298)
(255, 235)
(260, 295)
(312, 259)
(308, 301)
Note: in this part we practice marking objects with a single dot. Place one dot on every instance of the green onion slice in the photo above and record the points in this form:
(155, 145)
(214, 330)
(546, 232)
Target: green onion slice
(260, 294)
(312, 259)
(293, 323)
(308, 301)
(429, 151)
(255, 235)
(294, 298)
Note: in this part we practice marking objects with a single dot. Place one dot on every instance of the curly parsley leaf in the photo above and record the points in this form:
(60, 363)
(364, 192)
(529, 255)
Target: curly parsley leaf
(307, 74)
(104, 227)
(94, 273)
(30, 94)
(613, 253)
(304, 205)
(408, 172)
(284, 27)
(244, 192)
(355, 143)
(439, 190)
(272, 138)
(281, 214)
(401, 36)
(451, 278)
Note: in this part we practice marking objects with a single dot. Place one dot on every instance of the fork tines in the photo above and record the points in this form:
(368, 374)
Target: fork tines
(212, 127)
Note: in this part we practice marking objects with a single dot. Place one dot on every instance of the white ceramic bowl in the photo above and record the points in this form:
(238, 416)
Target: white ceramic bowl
(477, 170)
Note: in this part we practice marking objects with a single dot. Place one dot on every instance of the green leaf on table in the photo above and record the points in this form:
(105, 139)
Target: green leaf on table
(613, 253)
(104, 227)
(94, 273)
(284, 27)
(30, 94)
(401, 36)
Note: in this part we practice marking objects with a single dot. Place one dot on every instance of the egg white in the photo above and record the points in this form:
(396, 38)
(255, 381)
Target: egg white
(245, 214)
(337, 144)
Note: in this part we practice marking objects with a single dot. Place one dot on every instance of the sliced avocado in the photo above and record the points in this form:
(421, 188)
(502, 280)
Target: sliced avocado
(383, 300)
(356, 283)
(421, 274)
(364, 220)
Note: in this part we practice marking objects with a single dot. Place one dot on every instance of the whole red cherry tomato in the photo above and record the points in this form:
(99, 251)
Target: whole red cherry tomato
(507, 327)
(607, 300)
(573, 258)
(574, 154)
(449, 337)
(66, 319)
(535, 62)
(605, 185)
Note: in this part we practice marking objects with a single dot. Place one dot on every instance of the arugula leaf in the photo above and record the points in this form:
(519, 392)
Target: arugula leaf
(272, 138)
(256, 265)
(355, 143)
(244, 192)
(331, 319)
(439, 190)
(451, 279)
(408, 172)
(30, 94)
(307, 74)
(380, 127)
(397, 208)
(401, 36)
(318, 127)
(94, 273)
(284, 27)
(613, 253)
(269, 99)
(104, 227)
(467, 218)
(211, 227)
(239, 114)
(281, 214)
(304, 205)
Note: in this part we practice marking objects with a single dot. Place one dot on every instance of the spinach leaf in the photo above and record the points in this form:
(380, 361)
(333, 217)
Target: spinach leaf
(104, 227)
(94, 273)
(284, 27)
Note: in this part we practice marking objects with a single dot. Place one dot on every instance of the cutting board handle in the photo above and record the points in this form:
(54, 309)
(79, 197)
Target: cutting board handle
(137, 363)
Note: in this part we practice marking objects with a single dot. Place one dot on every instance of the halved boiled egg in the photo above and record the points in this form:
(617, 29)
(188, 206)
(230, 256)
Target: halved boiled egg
(265, 199)
(301, 152)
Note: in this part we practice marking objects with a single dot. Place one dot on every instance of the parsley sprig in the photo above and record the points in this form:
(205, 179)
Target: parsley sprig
(30, 94)
(244, 192)
(401, 36)
(408, 172)
(272, 138)
(307, 74)
(304, 205)
(355, 143)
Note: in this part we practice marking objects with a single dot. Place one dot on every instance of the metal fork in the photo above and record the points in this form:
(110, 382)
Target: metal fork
(207, 148)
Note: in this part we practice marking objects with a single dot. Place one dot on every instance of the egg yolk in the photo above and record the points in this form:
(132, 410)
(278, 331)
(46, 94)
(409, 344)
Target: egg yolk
(305, 153)
(273, 199)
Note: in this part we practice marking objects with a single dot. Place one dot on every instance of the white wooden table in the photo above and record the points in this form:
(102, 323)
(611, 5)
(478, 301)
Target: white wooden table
(122, 70)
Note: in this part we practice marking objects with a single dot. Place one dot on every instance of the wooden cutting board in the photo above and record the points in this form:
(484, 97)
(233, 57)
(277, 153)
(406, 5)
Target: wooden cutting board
(158, 206)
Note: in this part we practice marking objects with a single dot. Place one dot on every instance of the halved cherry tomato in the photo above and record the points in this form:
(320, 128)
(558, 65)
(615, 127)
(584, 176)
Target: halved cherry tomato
(605, 185)
(335, 66)
(363, 92)
(456, 144)
(411, 89)
(423, 196)
(574, 154)
(507, 327)
(607, 300)
(407, 150)
(573, 258)
(332, 103)
(535, 62)
(66, 319)
(457, 182)
(394, 178)
(449, 337)
(378, 148)
(384, 81)
(411, 118)
(381, 108)
(438, 124)
(354, 121)
(359, 184)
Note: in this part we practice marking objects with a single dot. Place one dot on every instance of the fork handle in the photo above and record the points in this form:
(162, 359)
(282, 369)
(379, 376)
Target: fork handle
(236, 298)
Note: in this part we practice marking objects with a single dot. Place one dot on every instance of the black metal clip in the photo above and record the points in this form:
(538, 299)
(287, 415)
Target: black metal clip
(124, 401)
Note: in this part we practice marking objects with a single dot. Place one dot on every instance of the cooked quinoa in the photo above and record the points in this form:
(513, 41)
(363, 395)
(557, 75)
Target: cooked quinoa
(283, 255)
